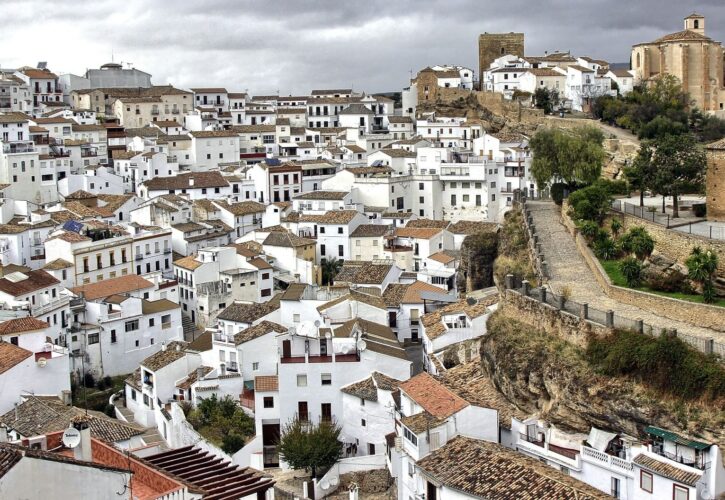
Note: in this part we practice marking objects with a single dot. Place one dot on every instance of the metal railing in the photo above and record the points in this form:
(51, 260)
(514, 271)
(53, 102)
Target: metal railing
(697, 227)
(608, 319)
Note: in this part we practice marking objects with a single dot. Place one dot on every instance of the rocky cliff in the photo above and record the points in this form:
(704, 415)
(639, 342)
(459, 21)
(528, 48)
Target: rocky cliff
(542, 374)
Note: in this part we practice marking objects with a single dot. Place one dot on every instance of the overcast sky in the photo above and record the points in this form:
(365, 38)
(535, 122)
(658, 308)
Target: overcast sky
(292, 46)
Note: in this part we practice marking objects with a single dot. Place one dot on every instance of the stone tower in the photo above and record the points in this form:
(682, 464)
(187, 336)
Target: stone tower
(695, 22)
(491, 46)
(715, 183)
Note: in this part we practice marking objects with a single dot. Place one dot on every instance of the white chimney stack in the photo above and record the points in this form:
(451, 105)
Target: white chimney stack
(83, 451)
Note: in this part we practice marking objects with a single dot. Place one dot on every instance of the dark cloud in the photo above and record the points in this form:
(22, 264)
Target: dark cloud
(292, 46)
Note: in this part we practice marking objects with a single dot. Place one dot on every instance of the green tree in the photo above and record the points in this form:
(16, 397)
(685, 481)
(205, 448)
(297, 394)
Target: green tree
(570, 156)
(330, 269)
(314, 447)
(637, 241)
(641, 174)
(679, 164)
(546, 99)
(631, 268)
(701, 267)
(591, 203)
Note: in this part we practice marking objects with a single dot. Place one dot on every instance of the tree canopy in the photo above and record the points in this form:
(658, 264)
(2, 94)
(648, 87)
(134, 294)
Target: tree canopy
(572, 156)
(304, 445)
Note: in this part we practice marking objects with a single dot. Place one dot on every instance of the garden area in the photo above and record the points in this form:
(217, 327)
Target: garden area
(629, 258)
(95, 393)
(221, 421)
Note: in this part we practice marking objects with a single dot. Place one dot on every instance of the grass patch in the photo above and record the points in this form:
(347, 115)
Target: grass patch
(611, 267)
(665, 363)
(95, 398)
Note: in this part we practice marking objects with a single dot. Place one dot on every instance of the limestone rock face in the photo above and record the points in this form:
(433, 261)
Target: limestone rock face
(544, 375)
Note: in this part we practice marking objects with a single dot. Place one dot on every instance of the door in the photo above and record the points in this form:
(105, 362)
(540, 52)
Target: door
(323, 347)
(302, 411)
(286, 349)
(326, 412)
(431, 492)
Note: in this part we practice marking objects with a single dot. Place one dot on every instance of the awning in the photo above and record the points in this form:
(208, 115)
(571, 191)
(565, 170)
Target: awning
(676, 438)
(599, 439)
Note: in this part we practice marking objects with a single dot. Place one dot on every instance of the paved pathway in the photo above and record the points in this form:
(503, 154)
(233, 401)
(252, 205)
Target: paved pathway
(568, 268)
(619, 133)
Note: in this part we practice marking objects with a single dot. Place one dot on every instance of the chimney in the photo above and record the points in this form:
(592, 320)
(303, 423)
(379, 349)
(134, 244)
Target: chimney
(3, 434)
(65, 395)
(200, 373)
(178, 347)
(163, 346)
(191, 181)
(83, 450)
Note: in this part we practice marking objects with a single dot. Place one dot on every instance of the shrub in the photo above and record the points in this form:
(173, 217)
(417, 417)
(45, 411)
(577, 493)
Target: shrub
(590, 203)
(88, 379)
(615, 226)
(665, 363)
(701, 267)
(110, 410)
(605, 248)
(589, 229)
(631, 268)
(666, 282)
(615, 187)
(232, 443)
(638, 241)
(699, 209)
(101, 384)
(558, 189)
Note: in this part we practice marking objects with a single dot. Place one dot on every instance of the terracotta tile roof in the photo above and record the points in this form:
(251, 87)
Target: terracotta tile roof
(278, 239)
(442, 257)
(184, 181)
(400, 119)
(363, 389)
(11, 355)
(202, 134)
(14, 118)
(157, 306)
(80, 210)
(322, 195)
(57, 264)
(266, 383)
(39, 74)
(662, 468)
(369, 170)
(258, 330)
(682, 36)
(22, 283)
(412, 292)
(173, 351)
(421, 422)
(192, 378)
(581, 69)
(473, 385)
(542, 72)
(22, 325)
(427, 223)
(242, 208)
(365, 274)
(13, 228)
(472, 227)
(433, 321)
(294, 291)
(113, 286)
(241, 312)
(398, 153)
(201, 343)
(370, 230)
(70, 237)
(489, 470)
(260, 263)
(331, 217)
(189, 263)
(423, 233)
(433, 396)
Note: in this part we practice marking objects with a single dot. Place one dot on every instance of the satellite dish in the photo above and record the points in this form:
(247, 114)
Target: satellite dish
(471, 301)
(345, 348)
(328, 335)
(71, 437)
(325, 484)
(42, 362)
(362, 345)
(334, 481)
(317, 323)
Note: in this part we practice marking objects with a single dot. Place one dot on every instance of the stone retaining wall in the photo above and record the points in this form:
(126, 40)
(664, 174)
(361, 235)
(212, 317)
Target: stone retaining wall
(702, 315)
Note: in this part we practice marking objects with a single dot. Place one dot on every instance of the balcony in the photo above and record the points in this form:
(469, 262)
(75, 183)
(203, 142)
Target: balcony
(232, 366)
(601, 458)
(342, 358)
(223, 337)
(174, 111)
(41, 309)
(155, 112)
(138, 257)
(698, 462)
(538, 445)
(18, 148)
(114, 315)
(77, 303)
(397, 248)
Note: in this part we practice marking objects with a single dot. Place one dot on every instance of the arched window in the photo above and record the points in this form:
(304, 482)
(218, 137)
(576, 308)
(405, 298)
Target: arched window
(638, 60)
(503, 50)
(697, 23)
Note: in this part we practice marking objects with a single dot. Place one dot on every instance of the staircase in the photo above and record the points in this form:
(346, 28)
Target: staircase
(188, 326)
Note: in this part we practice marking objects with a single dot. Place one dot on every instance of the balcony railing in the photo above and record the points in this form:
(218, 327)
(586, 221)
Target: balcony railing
(223, 337)
(232, 366)
(41, 309)
(698, 463)
(531, 439)
(398, 248)
(605, 458)
(155, 111)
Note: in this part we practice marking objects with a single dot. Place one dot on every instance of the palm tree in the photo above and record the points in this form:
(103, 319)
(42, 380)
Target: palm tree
(701, 267)
(330, 268)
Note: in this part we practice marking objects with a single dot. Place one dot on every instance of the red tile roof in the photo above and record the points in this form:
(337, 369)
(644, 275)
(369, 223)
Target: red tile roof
(11, 355)
(21, 325)
(433, 396)
(113, 286)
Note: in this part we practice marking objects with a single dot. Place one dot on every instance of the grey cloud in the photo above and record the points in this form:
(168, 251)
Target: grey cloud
(295, 45)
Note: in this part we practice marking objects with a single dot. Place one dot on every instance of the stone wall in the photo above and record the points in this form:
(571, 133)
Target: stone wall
(715, 185)
(553, 321)
(493, 102)
(676, 245)
(702, 315)
(491, 46)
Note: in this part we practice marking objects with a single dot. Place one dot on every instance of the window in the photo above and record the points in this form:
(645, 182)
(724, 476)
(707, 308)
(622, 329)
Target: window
(268, 402)
(113, 336)
(255, 366)
(326, 412)
(132, 325)
(421, 186)
(339, 230)
(615, 488)
(322, 230)
(92, 338)
(133, 394)
(363, 422)
(411, 469)
(296, 318)
(326, 379)
(152, 321)
(340, 251)
(301, 380)
(680, 492)
(410, 436)
(645, 481)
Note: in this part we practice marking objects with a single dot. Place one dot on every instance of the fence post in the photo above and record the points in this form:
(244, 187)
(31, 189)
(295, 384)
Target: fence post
(544, 269)
(584, 310)
(610, 319)
(561, 302)
(543, 295)
(509, 281)
(640, 325)
(525, 285)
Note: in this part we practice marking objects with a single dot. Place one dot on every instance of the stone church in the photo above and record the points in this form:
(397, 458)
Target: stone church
(690, 55)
